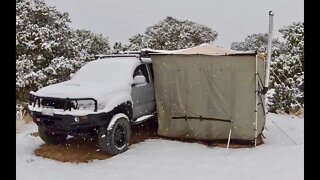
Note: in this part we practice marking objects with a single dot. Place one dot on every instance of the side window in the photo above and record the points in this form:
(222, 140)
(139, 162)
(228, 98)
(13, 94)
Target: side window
(141, 70)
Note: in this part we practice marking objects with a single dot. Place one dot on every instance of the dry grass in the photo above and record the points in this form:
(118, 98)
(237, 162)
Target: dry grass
(299, 112)
(26, 115)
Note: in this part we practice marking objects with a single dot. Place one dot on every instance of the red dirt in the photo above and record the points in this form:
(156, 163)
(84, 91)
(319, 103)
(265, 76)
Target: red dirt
(77, 150)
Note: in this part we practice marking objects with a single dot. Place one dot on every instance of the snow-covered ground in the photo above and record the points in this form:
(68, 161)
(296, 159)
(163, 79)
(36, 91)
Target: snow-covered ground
(281, 158)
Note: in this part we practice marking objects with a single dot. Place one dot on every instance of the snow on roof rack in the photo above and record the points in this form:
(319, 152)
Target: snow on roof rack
(115, 55)
(143, 59)
(130, 52)
(123, 54)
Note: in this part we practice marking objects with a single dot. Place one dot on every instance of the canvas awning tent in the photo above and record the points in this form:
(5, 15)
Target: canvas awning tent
(205, 91)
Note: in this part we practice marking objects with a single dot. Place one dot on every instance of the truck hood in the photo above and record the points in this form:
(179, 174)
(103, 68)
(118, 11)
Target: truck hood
(72, 89)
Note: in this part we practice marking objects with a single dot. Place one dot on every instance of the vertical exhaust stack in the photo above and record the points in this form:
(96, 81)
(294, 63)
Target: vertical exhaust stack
(266, 83)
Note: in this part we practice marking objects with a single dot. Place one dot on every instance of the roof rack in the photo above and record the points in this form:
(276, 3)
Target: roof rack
(137, 54)
(130, 52)
(144, 58)
(99, 56)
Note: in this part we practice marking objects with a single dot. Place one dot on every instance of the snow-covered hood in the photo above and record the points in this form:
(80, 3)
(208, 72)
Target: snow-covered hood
(71, 89)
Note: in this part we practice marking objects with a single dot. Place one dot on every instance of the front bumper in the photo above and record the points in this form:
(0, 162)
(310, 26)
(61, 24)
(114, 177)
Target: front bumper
(68, 124)
(63, 120)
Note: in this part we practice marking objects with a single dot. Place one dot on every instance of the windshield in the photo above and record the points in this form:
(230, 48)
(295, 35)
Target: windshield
(108, 70)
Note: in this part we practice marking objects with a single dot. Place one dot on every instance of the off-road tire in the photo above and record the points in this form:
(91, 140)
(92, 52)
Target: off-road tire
(115, 140)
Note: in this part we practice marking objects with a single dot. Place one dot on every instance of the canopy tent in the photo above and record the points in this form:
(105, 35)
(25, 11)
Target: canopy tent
(207, 92)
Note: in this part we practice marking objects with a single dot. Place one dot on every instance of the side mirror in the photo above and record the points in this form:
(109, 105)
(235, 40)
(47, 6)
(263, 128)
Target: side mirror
(139, 80)
(71, 75)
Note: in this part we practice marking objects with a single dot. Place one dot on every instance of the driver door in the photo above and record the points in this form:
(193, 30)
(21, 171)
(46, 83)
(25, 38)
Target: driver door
(143, 94)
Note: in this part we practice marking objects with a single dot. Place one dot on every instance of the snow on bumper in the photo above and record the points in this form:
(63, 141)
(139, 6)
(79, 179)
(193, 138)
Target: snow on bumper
(52, 112)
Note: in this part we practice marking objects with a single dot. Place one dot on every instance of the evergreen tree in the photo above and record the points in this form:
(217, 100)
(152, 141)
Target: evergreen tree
(117, 47)
(257, 42)
(42, 34)
(171, 34)
(47, 49)
(288, 71)
(137, 42)
(90, 44)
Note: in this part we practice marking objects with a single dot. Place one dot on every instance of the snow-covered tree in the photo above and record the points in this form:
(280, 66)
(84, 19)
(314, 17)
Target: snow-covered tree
(118, 47)
(171, 34)
(47, 49)
(288, 71)
(137, 42)
(42, 34)
(90, 44)
(257, 42)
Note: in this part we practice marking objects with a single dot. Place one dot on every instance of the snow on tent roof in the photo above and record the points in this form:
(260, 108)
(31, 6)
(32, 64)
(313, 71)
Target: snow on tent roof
(204, 49)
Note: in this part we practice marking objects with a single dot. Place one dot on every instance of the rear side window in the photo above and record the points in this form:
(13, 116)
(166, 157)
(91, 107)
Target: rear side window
(141, 70)
(151, 70)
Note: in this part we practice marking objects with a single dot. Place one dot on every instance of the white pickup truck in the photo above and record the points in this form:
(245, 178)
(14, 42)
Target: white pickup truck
(104, 98)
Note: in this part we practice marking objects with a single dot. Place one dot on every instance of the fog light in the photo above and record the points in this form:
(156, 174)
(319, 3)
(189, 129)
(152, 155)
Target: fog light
(83, 118)
(38, 119)
(76, 119)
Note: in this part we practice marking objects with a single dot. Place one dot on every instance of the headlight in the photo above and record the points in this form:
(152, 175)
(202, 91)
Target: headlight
(85, 105)
(101, 106)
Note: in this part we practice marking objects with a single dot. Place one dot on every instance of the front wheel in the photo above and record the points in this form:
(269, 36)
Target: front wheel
(114, 139)
(50, 137)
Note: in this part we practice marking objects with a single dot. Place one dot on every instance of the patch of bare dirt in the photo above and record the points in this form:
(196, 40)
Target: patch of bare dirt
(77, 150)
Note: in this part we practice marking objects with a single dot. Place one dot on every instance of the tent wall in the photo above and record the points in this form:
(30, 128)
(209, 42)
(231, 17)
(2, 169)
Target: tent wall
(219, 87)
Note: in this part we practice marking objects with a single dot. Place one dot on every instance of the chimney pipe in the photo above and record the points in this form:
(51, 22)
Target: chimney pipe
(266, 83)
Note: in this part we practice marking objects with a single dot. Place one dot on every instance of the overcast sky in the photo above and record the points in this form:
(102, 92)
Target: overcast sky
(232, 19)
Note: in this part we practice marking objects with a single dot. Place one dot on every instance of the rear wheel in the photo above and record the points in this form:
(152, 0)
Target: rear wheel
(114, 139)
(50, 137)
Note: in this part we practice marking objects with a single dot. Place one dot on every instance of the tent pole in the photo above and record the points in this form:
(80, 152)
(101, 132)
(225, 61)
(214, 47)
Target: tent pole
(229, 136)
(256, 105)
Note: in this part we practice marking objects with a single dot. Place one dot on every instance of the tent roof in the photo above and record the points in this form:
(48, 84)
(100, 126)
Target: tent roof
(204, 49)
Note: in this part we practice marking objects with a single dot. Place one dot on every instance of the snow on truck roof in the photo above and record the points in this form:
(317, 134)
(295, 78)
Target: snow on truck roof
(108, 68)
(99, 79)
